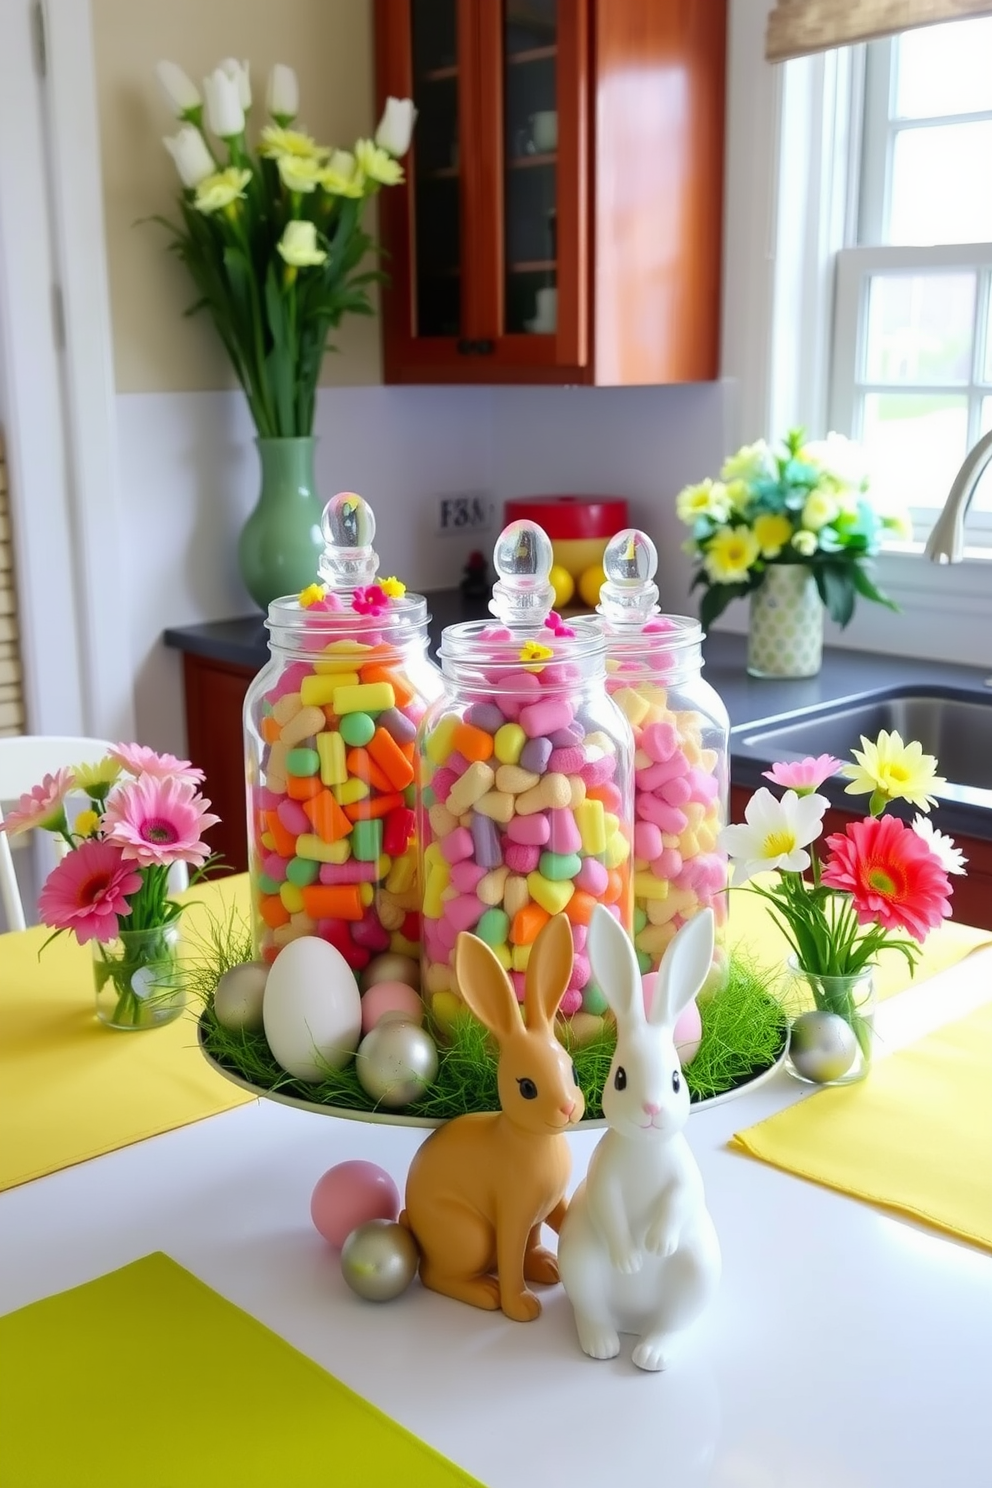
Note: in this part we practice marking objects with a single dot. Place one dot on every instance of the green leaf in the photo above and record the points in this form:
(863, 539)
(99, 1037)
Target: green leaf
(864, 585)
(836, 589)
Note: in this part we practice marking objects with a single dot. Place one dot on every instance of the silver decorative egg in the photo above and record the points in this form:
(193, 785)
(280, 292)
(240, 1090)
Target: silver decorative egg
(379, 1260)
(238, 996)
(822, 1046)
(396, 1062)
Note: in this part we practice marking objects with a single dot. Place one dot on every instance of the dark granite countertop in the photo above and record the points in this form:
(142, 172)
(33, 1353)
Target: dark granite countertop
(844, 674)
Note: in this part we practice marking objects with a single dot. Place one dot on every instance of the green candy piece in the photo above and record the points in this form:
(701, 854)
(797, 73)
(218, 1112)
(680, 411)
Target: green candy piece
(494, 927)
(640, 920)
(303, 762)
(366, 841)
(267, 885)
(302, 871)
(593, 1000)
(356, 729)
(428, 797)
(559, 866)
(410, 797)
(643, 962)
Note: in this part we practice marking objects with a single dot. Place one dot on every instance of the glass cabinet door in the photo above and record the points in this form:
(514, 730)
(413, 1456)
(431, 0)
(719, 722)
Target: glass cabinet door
(437, 205)
(530, 154)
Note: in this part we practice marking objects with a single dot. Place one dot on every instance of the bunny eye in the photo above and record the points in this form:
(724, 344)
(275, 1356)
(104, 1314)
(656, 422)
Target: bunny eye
(575, 1075)
(676, 1082)
(527, 1089)
(620, 1078)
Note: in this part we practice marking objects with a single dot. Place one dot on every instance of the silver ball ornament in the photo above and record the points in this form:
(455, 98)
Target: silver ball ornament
(238, 996)
(822, 1046)
(396, 1062)
(379, 1260)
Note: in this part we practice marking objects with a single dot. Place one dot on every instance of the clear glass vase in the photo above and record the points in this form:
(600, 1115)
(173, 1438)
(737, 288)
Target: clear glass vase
(820, 1052)
(137, 978)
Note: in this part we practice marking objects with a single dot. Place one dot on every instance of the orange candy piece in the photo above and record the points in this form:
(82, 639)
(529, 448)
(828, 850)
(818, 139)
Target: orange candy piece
(579, 908)
(474, 743)
(402, 690)
(362, 766)
(273, 911)
(614, 888)
(528, 924)
(303, 787)
(329, 821)
(387, 754)
(333, 902)
(372, 806)
(269, 729)
(283, 840)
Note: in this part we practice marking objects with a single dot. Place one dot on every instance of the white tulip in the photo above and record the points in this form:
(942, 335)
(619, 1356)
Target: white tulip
(396, 126)
(193, 160)
(240, 73)
(225, 112)
(181, 92)
(283, 98)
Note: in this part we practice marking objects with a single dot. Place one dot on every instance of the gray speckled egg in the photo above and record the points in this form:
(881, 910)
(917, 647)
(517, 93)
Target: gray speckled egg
(822, 1046)
(396, 1062)
(238, 996)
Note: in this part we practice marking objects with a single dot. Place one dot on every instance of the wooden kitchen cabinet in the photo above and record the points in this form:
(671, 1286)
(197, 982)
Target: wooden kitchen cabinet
(971, 902)
(214, 696)
(560, 221)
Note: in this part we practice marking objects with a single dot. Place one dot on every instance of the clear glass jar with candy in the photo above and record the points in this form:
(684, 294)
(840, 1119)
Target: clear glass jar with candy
(681, 735)
(526, 776)
(330, 726)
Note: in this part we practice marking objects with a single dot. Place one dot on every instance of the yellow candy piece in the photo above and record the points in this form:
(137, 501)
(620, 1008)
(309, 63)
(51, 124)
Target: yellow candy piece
(367, 697)
(470, 787)
(268, 841)
(598, 740)
(503, 956)
(291, 896)
(383, 864)
(490, 888)
(304, 725)
(646, 886)
(497, 805)
(438, 742)
(437, 977)
(366, 894)
(338, 852)
(577, 787)
(283, 934)
(309, 845)
(302, 923)
(350, 791)
(513, 779)
(402, 874)
(286, 707)
(437, 882)
(548, 894)
(516, 895)
(441, 819)
(654, 939)
(333, 770)
(519, 957)
(632, 703)
(403, 947)
(590, 820)
(320, 690)
(446, 1007)
(391, 915)
(508, 742)
(433, 856)
(617, 850)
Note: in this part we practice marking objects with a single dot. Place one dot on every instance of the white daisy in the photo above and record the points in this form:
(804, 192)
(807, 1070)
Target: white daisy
(774, 834)
(951, 858)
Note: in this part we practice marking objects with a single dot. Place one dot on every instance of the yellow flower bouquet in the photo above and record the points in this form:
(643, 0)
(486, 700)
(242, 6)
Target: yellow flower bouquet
(809, 504)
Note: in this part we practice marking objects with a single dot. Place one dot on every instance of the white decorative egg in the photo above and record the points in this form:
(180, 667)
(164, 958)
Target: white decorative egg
(311, 1011)
(238, 996)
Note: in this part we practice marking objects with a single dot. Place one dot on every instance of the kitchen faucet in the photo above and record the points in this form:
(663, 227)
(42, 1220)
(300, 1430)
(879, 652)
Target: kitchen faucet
(946, 541)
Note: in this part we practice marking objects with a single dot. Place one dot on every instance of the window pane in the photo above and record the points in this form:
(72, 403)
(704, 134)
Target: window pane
(988, 342)
(942, 185)
(982, 499)
(944, 70)
(919, 328)
(915, 445)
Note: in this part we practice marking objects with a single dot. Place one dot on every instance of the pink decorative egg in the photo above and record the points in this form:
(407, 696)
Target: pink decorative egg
(350, 1194)
(390, 997)
(688, 1029)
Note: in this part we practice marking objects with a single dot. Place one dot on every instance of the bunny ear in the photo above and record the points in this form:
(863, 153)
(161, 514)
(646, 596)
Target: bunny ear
(614, 965)
(683, 970)
(485, 987)
(549, 969)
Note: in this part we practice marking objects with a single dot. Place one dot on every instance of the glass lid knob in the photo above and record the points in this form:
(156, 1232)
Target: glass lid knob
(629, 597)
(348, 527)
(522, 596)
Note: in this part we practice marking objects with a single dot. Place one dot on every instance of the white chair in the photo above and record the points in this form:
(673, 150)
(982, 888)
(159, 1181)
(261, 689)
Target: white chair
(25, 760)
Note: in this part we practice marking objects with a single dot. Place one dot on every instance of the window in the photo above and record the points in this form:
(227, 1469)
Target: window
(912, 365)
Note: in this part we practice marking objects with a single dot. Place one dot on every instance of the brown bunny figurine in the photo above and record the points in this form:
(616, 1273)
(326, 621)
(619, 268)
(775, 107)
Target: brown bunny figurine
(482, 1185)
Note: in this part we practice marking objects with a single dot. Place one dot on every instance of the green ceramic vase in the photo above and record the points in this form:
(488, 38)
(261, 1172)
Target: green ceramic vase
(281, 543)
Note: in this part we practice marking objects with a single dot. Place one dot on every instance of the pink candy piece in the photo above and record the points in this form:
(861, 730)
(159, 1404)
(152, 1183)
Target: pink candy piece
(668, 864)
(290, 680)
(599, 772)
(441, 783)
(581, 973)
(579, 936)
(647, 840)
(560, 674)
(592, 877)
(545, 717)
(369, 933)
(676, 792)
(456, 762)
(704, 787)
(293, 817)
(433, 946)
(465, 875)
(668, 818)
(457, 845)
(564, 836)
(567, 761)
(521, 858)
(534, 830)
(464, 912)
(268, 800)
(517, 981)
(350, 872)
(446, 935)
(653, 776)
(570, 1003)
(610, 796)
(274, 867)
(513, 687)
(660, 741)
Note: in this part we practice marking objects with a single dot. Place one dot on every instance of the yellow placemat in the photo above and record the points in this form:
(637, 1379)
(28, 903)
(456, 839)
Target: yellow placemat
(72, 1089)
(752, 930)
(146, 1378)
(916, 1136)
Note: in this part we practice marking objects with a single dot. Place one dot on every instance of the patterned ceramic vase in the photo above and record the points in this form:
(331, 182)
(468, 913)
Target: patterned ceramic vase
(785, 636)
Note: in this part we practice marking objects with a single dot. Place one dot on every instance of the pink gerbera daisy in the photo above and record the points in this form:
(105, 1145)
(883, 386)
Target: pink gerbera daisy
(158, 821)
(42, 806)
(893, 878)
(87, 892)
(138, 759)
(804, 776)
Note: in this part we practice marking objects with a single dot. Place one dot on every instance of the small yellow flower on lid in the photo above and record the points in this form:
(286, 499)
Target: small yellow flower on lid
(392, 587)
(311, 595)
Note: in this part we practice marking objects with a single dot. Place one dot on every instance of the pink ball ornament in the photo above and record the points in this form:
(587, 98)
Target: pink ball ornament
(349, 1195)
(390, 997)
(688, 1029)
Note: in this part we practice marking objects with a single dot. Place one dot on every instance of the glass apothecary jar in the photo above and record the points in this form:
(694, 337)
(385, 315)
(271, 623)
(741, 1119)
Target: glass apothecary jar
(526, 784)
(330, 726)
(681, 736)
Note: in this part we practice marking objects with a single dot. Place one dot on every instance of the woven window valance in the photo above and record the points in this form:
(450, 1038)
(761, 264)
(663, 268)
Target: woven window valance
(798, 27)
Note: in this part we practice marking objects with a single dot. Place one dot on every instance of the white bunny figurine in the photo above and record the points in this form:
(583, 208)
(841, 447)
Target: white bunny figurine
(637, 1251)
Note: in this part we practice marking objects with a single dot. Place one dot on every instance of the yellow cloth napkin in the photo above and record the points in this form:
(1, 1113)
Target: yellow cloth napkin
(916, 1136)
(146, 1378)
(71, 1088)
(752, 930)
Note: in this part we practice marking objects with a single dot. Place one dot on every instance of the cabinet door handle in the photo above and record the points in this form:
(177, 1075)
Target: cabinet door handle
(466, 348)
(485, 348)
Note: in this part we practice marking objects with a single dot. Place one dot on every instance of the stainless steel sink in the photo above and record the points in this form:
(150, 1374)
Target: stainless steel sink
(954, 726)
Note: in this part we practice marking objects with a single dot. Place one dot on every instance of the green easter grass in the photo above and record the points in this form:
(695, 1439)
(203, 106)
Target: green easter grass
(744, 1030)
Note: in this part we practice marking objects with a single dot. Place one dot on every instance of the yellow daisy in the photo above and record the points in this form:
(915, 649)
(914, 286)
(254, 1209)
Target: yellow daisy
(86, 823)
(772, 531)
(277, 141)
(892, 771)
(96, 779)
(730, 553)
(707, 499)
(819, 509)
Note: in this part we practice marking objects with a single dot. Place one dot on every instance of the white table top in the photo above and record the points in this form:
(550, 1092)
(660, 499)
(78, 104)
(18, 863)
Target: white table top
(846, 1346)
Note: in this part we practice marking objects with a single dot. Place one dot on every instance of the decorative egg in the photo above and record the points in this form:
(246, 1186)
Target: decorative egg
(391, 967)
(390, 997)
(822, 1046)
(395, 1063)
(350, 1194)
(379, 1260)
(311, 1011)
(688, 1034)
(238, 996)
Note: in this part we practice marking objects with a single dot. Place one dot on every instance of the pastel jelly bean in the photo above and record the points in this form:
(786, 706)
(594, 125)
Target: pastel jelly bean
(457, 845)
(485, 716)
(366, 697)
(485, 840)
(402, 728)
(467, 876)
(533, 830)
(563, 833)
(535, 754)
(510, 739)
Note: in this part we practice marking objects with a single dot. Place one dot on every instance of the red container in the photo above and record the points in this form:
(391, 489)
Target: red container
(579, 528)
